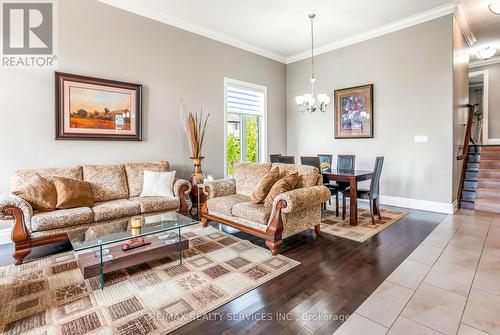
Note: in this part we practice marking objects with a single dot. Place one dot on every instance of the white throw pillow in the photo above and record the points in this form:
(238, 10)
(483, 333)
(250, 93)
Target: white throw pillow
(158, 184)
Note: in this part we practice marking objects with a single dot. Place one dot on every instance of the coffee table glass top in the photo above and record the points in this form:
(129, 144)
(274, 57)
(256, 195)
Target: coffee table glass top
(120, 230)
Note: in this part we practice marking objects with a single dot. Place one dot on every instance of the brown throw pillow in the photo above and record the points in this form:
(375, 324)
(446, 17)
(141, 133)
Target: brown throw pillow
(265, 185)
(283, 185)
(40, 193)
(73, 193)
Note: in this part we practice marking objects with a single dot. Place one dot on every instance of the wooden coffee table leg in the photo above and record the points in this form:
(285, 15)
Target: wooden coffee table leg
(353, 201)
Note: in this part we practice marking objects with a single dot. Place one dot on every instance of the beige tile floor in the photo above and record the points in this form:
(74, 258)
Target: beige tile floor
(450, 284)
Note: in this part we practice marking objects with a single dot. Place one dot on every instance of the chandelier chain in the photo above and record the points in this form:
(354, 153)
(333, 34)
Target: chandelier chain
(312, 44)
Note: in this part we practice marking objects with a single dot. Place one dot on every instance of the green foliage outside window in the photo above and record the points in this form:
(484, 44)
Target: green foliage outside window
(252, 141)
(234, 145)
(233, 152)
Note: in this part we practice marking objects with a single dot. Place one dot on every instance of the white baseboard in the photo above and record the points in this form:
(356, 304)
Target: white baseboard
(424, 205)
(494, 141)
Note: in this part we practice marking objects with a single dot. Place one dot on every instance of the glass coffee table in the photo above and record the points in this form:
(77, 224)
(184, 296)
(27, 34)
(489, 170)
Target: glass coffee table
(100, 249)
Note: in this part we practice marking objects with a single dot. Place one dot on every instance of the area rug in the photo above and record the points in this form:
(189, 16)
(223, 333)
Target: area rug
(331, 224)
(50, 296)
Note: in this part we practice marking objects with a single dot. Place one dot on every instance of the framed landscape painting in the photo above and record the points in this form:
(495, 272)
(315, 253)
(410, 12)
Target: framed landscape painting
(354, 112)
(97, 109)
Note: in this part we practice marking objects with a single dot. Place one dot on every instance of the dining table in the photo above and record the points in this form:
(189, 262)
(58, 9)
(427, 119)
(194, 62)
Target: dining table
(351, 177)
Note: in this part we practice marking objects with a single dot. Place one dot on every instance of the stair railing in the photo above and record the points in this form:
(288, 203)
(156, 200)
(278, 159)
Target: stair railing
(465, 151)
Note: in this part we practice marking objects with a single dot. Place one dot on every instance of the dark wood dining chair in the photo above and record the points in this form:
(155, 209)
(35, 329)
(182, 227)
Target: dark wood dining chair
(286, 159)
(274, 158)
(346, 162)
(373, 194)
(333, 188)
(325, 161)
(310, 161)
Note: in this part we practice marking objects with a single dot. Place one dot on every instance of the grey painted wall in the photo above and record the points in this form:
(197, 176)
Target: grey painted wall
(460, 98)
(412, 75)
(494, 99)
(99, 40)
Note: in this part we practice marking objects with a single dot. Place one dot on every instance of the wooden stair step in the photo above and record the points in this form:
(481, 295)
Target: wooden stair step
(488, 193)
(489, 173)
(489, 164)
(488, 183)
(490, 155)
(487, 205)
(490, 149)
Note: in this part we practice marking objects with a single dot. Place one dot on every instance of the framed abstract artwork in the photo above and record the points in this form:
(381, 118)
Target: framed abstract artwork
(354, 112)
(97, 109)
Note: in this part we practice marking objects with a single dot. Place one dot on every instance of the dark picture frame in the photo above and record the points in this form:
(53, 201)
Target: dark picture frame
(82, 111)
(354, 112)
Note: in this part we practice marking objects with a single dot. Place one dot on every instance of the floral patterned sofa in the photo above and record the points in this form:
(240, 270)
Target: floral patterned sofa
(228, 202)
(115, 189)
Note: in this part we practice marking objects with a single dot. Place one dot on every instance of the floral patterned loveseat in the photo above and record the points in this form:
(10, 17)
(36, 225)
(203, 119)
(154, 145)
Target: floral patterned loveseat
(228, 202)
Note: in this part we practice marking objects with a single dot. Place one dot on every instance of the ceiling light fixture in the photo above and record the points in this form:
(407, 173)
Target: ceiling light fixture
(307, 102)
(494, 8)
(486, 53)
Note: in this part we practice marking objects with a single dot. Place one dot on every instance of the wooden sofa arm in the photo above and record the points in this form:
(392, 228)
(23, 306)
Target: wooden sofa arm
(181, 189)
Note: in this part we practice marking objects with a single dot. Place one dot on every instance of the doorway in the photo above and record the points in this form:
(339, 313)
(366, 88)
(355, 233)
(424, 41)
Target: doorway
(478, 96)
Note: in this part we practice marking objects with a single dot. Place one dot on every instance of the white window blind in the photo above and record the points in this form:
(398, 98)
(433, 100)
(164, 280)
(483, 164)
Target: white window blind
(244, 101)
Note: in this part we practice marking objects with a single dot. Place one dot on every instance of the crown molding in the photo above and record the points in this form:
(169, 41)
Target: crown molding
(143, 10)
(410, 21)
(463, 22)
(454, 7)
(478, 63)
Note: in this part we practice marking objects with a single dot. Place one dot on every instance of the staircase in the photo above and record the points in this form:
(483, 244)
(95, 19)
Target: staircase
(481, 183)
(488, 181)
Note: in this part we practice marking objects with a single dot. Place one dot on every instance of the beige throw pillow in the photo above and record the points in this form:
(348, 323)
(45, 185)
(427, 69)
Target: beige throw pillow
(73, 193)
(40, 193)
(283, 185)
(264, 186)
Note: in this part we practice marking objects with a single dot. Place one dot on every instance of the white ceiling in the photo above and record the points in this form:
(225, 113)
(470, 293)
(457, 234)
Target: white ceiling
(279, 29)
(486, 25)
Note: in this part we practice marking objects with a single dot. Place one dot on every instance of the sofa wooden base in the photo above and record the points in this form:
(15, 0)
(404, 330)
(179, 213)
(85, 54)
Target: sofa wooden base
(272, 235)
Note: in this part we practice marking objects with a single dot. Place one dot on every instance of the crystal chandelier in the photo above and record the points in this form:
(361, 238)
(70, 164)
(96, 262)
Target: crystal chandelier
(308, 102)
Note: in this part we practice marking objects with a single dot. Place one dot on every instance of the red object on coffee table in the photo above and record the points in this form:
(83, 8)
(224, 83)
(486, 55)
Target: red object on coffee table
(134, 243)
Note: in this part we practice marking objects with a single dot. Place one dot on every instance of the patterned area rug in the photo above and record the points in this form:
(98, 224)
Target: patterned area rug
(50, 296)
(334, 225)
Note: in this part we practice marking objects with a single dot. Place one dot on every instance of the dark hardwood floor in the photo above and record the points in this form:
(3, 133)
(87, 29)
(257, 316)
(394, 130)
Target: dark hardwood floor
(335, 276)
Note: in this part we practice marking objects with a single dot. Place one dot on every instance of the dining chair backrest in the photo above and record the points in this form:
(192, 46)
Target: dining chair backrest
(377, 171)
(311, 161)
(346, 162)
(287, 159)
(274, 158)
(325, 162)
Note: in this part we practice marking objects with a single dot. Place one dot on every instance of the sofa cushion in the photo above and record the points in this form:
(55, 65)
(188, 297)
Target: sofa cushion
(115, 209)
(225, 204)
(61, 218)
(308, 175)
(283, 185)
(72, 193)
(264, 186)
(253, 212)
(40, 193)
(248, 176)
(157, 204)
(22, 177)
(109, 182)
(135, 174)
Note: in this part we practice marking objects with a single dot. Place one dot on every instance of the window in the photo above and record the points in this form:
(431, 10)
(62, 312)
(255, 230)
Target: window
(245, 119)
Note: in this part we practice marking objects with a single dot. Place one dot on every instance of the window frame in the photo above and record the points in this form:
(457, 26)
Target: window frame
(263, 145)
